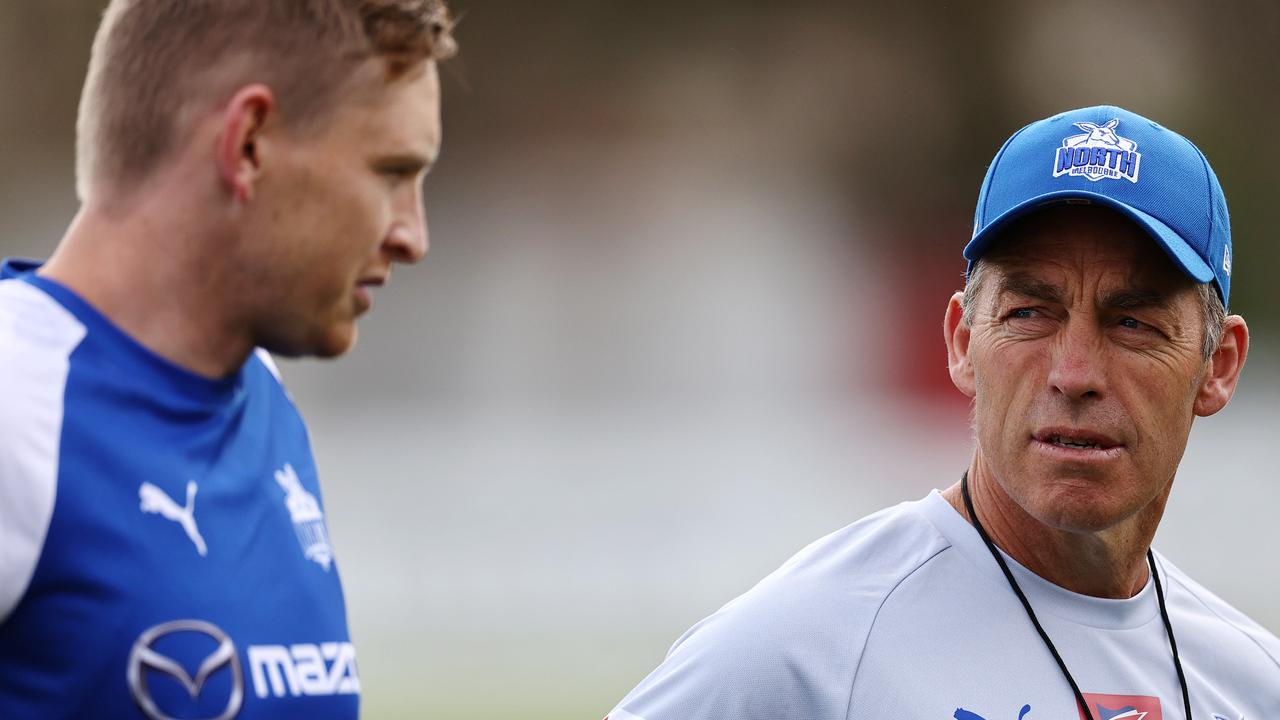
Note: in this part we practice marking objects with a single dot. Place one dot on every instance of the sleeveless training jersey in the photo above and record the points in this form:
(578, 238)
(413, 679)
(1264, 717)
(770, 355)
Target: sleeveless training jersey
(906, 615)
(163, 548)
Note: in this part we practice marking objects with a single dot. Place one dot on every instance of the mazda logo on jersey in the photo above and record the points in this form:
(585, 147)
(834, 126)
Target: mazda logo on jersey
(161, 678)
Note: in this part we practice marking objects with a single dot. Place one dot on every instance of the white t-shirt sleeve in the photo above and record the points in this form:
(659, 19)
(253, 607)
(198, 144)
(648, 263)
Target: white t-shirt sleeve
(1218, 609)
(789, 648)
(752, 660)
(37, 337)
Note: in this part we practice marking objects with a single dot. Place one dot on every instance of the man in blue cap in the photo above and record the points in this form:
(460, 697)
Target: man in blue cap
(1091, 332)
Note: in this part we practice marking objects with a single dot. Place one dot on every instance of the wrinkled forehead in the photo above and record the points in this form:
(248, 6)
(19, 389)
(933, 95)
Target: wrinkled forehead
(1085, 244)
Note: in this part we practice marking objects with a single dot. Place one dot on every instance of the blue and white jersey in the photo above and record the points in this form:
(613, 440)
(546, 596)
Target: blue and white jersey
(163, 548)
(906, 615)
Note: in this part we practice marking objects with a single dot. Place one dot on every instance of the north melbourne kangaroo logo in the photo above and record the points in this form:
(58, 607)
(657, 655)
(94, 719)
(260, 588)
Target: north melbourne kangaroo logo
(155, 500)
(1098, 153)
(308, 520)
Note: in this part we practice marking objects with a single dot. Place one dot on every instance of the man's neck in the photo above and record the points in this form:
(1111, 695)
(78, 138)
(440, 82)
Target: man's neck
(144, 270)
(1110, 563)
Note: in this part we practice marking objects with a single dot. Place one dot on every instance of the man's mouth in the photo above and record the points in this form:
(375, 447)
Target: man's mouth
(364, 292)
(1072, 443)
(1076, 439)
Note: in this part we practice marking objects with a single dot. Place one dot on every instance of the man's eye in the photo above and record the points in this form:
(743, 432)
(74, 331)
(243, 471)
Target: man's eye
(1130, 323)
(1022, 314)
(396, 174)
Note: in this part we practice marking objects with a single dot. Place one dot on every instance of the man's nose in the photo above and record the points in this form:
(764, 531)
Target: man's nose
(406, 240)
(1077, 363)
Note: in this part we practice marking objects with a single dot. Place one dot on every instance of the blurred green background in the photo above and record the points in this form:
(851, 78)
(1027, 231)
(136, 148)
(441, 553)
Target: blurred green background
(681, 313)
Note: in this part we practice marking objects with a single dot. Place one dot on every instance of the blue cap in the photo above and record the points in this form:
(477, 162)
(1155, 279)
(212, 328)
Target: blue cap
(1112, 157)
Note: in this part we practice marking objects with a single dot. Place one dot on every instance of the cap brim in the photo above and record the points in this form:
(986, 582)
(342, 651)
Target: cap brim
(1174, 246)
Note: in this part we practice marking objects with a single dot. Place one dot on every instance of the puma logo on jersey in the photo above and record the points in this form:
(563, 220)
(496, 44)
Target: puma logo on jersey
(304, 669)
(962, 714)
(154, 500)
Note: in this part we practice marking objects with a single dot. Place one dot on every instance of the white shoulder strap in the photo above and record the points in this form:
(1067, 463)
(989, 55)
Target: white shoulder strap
(37, 337)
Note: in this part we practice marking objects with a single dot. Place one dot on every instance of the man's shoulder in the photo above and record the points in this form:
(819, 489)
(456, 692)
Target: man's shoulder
(796, 637)
(37, 337)
(828, 594)
(871, 556)
(1241, 646)
(33, 322)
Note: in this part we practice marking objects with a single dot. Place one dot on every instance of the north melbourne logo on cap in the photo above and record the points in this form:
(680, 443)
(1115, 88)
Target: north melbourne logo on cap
(1098, 153)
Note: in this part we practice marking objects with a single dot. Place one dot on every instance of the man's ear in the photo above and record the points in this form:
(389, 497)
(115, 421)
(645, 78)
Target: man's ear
(240, 144)
(956, 332)
(1225, 364)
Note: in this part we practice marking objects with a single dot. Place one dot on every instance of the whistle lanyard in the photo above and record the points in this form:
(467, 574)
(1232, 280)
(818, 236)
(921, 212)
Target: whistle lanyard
(1026, 605)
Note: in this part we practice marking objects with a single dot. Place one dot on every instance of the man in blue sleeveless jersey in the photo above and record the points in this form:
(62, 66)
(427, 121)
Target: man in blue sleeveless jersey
(249, 171)
(1091, 333)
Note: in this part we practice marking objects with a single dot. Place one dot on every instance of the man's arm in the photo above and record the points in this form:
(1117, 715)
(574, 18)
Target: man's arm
(37, 337)
(790, 647)
(763, 656)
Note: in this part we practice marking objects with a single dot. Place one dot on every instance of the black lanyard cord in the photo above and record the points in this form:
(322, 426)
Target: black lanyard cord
(1168, 627)
(1026, 605)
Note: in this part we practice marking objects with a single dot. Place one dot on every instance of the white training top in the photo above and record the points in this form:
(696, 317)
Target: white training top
(905, 615)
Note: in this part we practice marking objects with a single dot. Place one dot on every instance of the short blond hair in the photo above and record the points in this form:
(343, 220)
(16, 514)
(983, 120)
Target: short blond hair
(155, 60)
